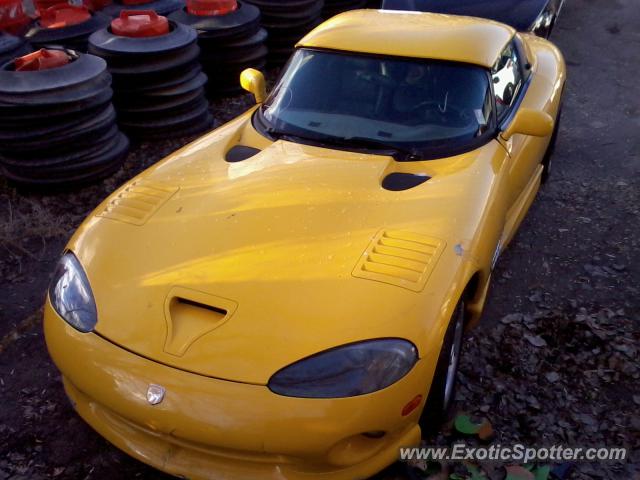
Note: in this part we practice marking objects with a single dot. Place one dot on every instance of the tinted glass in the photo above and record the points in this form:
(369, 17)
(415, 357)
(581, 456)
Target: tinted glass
(507, 80)
(401, 102)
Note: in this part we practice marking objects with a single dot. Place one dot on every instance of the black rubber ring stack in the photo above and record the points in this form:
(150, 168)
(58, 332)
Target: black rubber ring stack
(334, 7)
(287, 21)
(74, 37)
(12, 47)
(58, 126)
(161, 7)
(158, 82)
(228, 44)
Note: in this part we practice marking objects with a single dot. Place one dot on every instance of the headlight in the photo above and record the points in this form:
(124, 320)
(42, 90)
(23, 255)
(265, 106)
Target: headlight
(70, 294)
(347, 371)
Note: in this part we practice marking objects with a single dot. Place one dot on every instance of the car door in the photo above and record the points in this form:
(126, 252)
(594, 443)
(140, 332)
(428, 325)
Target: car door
(510, 81)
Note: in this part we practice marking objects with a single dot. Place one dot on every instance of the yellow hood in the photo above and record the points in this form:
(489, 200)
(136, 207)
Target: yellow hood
(235, 270)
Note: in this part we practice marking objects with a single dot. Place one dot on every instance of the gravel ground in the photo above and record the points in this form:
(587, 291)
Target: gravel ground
(555, 359)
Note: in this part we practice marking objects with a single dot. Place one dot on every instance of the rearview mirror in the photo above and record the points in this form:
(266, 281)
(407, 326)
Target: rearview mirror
(252, 81)
(529, 122)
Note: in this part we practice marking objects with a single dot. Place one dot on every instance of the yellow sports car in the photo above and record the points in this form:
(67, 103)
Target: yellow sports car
(286, 296)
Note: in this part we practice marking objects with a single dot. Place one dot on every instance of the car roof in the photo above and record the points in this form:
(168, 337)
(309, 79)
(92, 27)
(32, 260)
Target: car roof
(520, 14)
(413, 34)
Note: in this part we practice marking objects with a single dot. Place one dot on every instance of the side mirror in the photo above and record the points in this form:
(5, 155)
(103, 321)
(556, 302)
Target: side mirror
(529, 122)
(252, 81)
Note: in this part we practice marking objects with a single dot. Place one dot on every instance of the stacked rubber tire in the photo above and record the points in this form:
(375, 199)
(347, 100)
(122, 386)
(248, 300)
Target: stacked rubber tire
(157, 80)
(78, 23)
(12, 47)
(161, 7)
(229, 43)
(287, 21)
(57, 125)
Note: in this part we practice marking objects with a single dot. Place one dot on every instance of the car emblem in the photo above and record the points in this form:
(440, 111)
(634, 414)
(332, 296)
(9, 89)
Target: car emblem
(155, 394)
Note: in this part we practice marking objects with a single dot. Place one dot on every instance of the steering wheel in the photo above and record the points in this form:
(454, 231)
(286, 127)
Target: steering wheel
(448, 114)
(384, 83)
(376, 78)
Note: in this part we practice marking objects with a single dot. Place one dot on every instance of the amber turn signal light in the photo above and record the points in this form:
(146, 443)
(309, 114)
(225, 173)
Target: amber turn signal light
(412, 405)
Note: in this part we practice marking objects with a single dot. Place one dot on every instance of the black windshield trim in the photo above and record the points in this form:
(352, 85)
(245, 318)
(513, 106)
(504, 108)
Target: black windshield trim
(261, 125)
(434, 153)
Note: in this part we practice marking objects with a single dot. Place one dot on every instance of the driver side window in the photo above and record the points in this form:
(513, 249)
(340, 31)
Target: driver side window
(507, 80)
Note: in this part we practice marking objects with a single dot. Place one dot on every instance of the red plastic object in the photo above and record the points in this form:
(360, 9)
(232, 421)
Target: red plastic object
(42, 5)
(13, 18)
(135, 2)
(95, 5)
(60, 16)
(41, 60)
(140, 23)
(205, 8)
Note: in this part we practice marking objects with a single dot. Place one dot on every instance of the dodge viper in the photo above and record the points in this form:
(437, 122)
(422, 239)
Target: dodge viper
(286, 297)
(537, 16)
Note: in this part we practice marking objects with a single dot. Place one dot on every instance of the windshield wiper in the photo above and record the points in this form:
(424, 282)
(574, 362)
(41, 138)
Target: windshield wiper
(278, 134)
(400, 153)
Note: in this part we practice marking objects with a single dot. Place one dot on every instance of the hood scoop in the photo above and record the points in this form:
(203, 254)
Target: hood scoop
(239, 153)
(190, 315)
(398, 258)
(136, 202)
(399, 181)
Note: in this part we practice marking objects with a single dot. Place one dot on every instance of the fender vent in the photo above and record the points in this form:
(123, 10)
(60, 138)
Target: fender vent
(136, 202)
(403, 259)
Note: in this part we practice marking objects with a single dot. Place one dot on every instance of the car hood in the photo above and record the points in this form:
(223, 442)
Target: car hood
(235, 270)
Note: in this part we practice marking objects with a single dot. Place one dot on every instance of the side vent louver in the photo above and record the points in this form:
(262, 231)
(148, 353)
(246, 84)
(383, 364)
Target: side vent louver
(403, 259)
(137, 201)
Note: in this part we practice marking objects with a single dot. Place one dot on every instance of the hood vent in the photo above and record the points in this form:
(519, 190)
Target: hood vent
(239, 153)
(137, 202)
(397, 181)
(191, 315)
(403, 259)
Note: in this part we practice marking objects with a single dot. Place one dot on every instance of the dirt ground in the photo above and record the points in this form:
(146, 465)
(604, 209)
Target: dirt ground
(556, 358)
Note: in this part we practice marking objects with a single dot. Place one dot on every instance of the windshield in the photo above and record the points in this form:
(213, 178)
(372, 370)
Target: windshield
(411, 106)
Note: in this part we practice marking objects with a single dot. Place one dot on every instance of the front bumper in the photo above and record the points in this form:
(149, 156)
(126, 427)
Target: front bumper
(211, 428)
